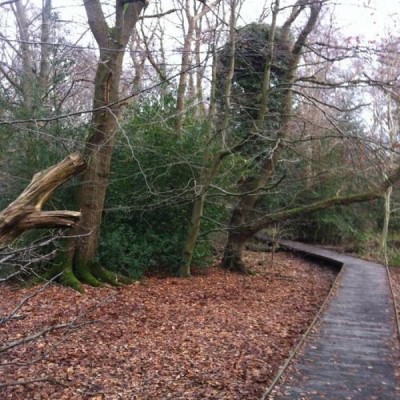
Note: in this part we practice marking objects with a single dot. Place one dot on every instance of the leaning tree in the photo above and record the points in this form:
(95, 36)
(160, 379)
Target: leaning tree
(265, 71)
(265, 79)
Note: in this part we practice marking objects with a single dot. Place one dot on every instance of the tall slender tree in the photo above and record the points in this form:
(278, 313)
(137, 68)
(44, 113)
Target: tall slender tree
(217, 128)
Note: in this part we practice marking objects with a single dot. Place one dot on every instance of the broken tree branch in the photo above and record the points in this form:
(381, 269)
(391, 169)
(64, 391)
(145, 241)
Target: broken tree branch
(26, 211)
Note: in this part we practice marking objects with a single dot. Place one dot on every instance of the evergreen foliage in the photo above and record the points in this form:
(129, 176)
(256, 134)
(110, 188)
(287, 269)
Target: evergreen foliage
(152, 185)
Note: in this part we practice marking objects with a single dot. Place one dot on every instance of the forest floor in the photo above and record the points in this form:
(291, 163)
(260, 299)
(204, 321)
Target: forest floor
(395, 278)
(216, 335)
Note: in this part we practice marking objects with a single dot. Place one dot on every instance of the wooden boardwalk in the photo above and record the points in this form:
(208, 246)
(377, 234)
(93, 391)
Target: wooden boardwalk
(355, 350)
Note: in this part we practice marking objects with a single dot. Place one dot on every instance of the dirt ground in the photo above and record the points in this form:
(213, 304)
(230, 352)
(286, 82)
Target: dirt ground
(216, 335)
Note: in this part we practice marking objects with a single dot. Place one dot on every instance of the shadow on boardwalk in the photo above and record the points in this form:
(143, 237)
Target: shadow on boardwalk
(354, 352)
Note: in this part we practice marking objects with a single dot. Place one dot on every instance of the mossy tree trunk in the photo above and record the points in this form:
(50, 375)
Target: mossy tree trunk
(80, 258)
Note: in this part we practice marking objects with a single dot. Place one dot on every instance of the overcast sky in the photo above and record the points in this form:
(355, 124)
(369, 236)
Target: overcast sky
(368, 18)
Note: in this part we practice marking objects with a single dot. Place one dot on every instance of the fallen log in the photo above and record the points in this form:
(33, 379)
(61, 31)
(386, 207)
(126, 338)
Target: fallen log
(26, 211)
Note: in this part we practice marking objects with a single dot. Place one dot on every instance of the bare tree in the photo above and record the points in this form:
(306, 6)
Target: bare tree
(192, 20)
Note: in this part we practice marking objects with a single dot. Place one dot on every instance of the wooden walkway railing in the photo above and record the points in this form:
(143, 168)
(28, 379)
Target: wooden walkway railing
(354, 352)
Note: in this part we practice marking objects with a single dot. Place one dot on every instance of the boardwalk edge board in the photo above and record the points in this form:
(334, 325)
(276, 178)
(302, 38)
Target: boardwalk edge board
(304, 337)
(347, 357)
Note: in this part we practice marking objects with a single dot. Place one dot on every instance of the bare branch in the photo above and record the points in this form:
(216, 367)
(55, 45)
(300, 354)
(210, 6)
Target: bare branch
(162, 14)
(4, 3)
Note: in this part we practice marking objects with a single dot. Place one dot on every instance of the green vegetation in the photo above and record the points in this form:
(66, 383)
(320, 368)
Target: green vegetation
(152, 187)
(264, 135)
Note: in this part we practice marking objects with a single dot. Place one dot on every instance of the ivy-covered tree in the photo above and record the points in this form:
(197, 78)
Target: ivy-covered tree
(268, 108)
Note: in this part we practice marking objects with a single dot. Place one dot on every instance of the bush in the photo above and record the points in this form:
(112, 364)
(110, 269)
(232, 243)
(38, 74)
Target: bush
(150, 195)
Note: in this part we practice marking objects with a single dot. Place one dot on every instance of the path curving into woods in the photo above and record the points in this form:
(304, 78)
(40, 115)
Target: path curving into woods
(354, 350)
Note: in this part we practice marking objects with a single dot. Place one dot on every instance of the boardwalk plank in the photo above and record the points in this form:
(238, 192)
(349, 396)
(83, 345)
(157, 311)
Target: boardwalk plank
(354, 352)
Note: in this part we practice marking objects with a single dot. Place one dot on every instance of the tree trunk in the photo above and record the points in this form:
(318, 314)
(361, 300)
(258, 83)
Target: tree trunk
(186, 60)
(232, 258)
(192, 235)
(28, 78)
(79, 262)
(183, 76)
(209, 170)
(386, 220)
(393, 124)
(92, 192)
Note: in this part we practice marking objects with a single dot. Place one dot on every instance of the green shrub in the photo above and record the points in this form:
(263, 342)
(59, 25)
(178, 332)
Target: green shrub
(150, 195)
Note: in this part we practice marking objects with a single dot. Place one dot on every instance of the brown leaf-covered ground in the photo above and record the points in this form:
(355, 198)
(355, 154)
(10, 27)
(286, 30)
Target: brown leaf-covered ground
(213, 336)
(395, 280)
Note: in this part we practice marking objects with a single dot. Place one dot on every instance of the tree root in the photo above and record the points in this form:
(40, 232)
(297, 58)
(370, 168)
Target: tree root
(69, 279)
(74, 276)
(236, 265)
(106, 276)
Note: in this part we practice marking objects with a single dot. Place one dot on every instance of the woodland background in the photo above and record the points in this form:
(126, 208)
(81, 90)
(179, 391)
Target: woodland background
(195, 144)
(174, 133)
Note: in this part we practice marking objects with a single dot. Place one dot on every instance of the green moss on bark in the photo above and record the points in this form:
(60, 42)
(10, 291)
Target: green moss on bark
(73, 275)
(83, 273)
(69, 279)
(107, 276)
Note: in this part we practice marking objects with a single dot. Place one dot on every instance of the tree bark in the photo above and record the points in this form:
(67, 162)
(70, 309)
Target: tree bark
(79, 261)
(185, 65)
(192, 235)
(26, 211)
(28, 77)
(44, 71)
(237, 238)
(392, 123)
(385, 228)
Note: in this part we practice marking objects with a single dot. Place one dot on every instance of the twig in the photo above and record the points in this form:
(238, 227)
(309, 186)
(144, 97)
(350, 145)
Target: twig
(7, 2)
(46, 379)
(38, 334)
(25, 299)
